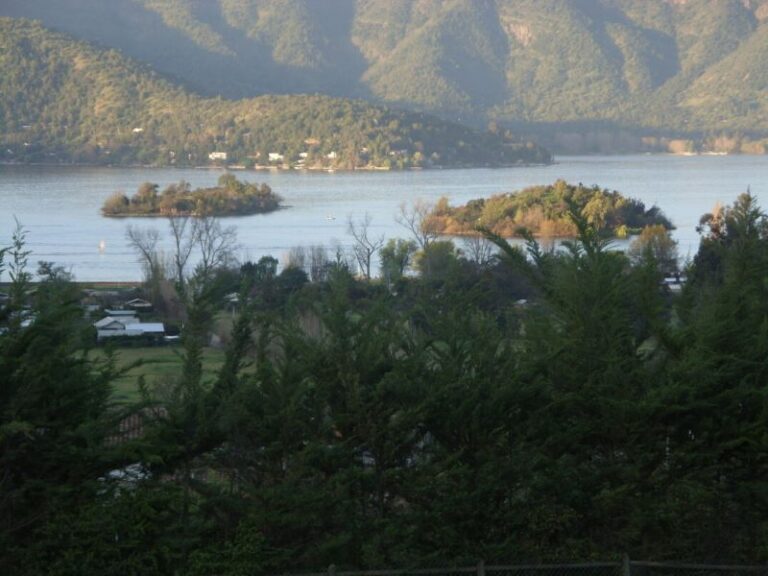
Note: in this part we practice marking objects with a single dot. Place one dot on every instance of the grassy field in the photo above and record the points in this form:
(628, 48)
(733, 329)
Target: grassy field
(157, 365)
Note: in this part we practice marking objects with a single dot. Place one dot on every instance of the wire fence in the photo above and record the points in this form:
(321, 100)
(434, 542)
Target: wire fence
(626, 567)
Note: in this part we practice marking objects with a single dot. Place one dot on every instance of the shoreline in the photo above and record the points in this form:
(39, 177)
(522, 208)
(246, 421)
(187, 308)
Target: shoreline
(368, 169)
(193, 215)
(240, 168)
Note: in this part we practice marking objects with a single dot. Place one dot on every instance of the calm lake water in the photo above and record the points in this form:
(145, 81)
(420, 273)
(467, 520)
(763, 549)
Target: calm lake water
(59, 206)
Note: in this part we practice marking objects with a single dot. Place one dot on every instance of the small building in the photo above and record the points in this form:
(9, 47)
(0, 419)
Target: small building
(401, 152)
(139, 305)
(115, 323)
(147, 329)
(232, 302)
(127, 326)
(89, 309)
(217, 156)
(119, 313)
(276, 157)
(674, 283)
(108, 324)
(332, 155)
(24, 317)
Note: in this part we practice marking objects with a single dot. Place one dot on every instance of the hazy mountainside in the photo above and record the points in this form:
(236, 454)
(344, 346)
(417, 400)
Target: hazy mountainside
(680, 65)
(64, 100)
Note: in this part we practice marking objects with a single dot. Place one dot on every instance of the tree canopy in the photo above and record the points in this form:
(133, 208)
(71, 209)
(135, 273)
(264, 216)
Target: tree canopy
(548, 406)
(547, 211)
(230, 198)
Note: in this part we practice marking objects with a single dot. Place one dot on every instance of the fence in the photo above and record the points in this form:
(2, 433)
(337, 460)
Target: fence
(626, 567)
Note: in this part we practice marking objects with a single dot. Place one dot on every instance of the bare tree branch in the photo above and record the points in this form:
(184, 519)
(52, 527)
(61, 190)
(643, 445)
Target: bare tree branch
(318, 263)
(364, 247)
(144, 242)
(217, 244)
(418, 220)
(184, 233)
(297, 258)
(479, 250)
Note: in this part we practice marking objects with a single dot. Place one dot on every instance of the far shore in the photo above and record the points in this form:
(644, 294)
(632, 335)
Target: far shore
(238, 167)
(330, 170)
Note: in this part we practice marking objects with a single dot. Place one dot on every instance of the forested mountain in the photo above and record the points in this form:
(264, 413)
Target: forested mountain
(63, 100)
(665, 67)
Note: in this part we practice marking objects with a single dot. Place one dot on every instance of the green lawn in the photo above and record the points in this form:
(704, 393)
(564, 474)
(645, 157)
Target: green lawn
(158, 365)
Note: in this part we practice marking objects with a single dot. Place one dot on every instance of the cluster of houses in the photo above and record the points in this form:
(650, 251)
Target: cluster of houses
(126, 323)
(118, 315)
(277, 157)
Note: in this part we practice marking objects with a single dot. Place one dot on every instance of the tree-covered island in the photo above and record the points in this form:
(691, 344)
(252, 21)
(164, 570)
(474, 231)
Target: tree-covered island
(544, 211)
(230, 197)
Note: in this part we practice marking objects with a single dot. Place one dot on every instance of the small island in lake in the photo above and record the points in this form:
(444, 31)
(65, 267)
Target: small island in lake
(544, 211)
(230, 197)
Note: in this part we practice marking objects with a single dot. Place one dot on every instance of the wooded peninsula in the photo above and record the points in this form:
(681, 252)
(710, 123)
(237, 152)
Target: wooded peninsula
(230, 197)
(545, 211)
(48, 115)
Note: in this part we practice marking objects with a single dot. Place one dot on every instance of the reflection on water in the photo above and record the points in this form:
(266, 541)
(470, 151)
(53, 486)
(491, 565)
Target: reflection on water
(59, 206)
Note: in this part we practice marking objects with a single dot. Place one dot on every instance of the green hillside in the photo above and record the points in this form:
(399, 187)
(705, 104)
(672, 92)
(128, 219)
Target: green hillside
(64, 100)
(675, 66)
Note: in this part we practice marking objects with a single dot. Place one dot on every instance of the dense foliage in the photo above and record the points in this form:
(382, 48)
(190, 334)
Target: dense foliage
(546, 211)
(230, 198)
(422, 421)
(65, 101)
(694, 67)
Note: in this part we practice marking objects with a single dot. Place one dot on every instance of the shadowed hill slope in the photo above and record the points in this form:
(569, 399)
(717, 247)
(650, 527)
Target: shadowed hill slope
(64, 100)
(658, 64)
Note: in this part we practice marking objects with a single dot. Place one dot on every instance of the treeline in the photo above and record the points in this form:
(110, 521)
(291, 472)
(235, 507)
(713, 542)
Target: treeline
(66, 101)
(230, 198)
(545, 211)
(536, 407)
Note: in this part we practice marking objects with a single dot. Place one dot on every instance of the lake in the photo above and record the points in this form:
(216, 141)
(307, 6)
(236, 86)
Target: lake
(59, 206)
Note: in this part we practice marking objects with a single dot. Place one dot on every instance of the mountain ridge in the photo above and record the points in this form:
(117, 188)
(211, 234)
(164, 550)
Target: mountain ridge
(650, 66)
